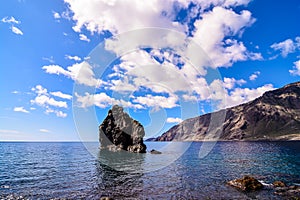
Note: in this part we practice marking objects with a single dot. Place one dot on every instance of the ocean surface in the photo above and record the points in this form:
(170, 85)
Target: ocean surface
(78, 170)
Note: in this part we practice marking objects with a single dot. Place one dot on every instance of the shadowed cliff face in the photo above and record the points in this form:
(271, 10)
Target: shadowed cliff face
(119, 131)
(273, 116)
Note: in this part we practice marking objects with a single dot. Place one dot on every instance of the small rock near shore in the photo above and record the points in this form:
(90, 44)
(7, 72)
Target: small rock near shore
(247, 183)
(153, 151)
(279, 184)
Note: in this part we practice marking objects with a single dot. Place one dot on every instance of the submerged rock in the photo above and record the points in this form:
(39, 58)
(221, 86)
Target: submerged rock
(247, 183)
(119, 131)
(153, 151)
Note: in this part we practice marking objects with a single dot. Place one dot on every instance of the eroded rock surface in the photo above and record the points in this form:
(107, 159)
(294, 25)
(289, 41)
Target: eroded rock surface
(247, 183)
(119, 131)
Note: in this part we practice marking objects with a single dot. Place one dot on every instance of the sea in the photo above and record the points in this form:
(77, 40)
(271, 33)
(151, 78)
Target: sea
(183, 170)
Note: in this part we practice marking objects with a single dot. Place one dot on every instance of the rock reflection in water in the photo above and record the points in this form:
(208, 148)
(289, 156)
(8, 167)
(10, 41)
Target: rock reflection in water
(119, 174)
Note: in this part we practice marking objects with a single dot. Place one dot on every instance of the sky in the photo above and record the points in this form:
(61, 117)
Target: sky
(64, 63)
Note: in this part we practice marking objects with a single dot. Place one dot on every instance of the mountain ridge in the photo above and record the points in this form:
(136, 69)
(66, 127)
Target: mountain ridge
(273, 116)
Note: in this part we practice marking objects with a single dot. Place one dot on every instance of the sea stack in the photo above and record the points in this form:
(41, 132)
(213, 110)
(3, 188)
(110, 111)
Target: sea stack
(119, 131)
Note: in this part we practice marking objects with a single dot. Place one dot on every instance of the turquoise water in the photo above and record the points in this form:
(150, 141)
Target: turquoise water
(69, 170)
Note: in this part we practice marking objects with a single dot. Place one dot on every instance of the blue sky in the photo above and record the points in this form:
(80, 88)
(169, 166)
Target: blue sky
(55, 86)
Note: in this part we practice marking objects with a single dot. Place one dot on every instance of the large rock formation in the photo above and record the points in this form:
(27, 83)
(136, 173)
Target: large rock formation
(273, 116)
(119, 131)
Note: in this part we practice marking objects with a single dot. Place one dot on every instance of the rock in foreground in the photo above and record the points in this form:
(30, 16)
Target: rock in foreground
(247, 183)
(119, 131)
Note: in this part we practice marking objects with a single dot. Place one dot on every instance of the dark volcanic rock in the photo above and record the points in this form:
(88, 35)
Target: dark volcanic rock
(273, 116)
(119, 131)
(153, 151)
(247, 183)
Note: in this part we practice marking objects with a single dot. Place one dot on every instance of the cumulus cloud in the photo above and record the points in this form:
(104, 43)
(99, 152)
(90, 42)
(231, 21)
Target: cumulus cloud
(296, 69)
(243, 95)
(82, 73)
(84, 38)
(58, 113)
(221, 20)
(157, 101)
(20, 109)
(222, 23)
(75, 58)
(173, 120)
(102, 100)
(254, 76)
(45, 100)
(287, 46)
(61, 95)
(216, 26)
(99, 16)
(16, 30)
(10, 20)
(229, 83)
(56, 15)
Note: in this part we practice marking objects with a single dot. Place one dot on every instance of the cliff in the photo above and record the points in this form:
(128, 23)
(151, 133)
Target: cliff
(273, 116)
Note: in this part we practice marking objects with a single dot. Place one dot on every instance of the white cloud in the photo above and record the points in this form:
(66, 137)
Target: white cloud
(55, 69)
(112, 16)
(227, 98)
(224, 3)
(254, 76)
(218, 31)
(102, 100)
(82, 73)
(223, 23)
(157, 101)
(243, 95)
(56, 15)
(76, 58)
(39, 90)
(46, 101)
(140, 69)
(229, 83)
(20, 109)
(296, 69)
(173, 120)
(15, 92)
(58, 113)
(44, 130)
(287, 46)
(61, 95)
(10, 20)
(16, 30)
(84, 38)
(222, 20)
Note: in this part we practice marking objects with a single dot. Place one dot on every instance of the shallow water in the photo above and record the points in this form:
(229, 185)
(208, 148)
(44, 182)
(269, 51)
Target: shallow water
(68, 170)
